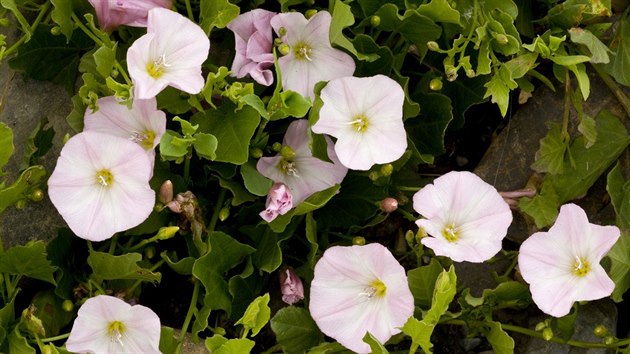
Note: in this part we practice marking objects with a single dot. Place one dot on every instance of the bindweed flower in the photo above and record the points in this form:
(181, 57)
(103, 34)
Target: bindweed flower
(291, 286)
(253, 37)
(359, 289)
(465, 217)
(562, 264)
(113, 13)
(107, 324)
(100, 185)
(170, 54)
(310, 57)
(365, 115)
(279, 202)
(143, 124)
(302, 173)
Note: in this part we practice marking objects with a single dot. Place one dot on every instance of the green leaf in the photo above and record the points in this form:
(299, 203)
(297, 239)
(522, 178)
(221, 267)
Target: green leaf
(620, 266)
(233, 130)
(376, 347)
(168, 340)
(18, 344)
(501, 342)
(7, 315)
(620, 61)
(422, 283)
(550, 155)
(566, 324)
(109, 267)
(295, 330)
(183, 266)
(105, 59)
(579, 70)
(288, 103)
(440, 11)
(29, 180)
(38, 144)
(420, 333)
(498, 88)
(366, 45)
(257, 315)
(29, 260)
(174, 147)
(6, 146)
(619, 190)
(241, 195)
(216, 13)
(598, 51)
(543, 208)
(342, 17)
(522, 64)
(255, 183)
(205, 145)
(566, 60)
(428, 130)
(24, 23)
(218, 344)
(48, 57)
(268, 255)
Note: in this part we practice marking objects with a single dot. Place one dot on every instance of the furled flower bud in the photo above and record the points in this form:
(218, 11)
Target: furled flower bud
(310, 13)
(166, 232)
(166, 192)
(36, 195)
(436, 84)
(389, 205)
(279, 202)
(33, 323)
(502, 39)
(358, 240)
(547, 334)
(375, 20)
(600, 331)
(256, 152)
(432, 45)
(291, 286)
(284, 49)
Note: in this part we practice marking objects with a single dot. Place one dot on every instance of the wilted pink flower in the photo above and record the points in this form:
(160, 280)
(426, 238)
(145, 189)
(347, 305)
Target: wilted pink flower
(253, 37)
(303, 174)
(100, 185)
(113, 13)
(170, 54)
(562, 264)
(279, 202)
(359, 289)
(107, 324)
(143, 124)
(466, 217)
(311, 58)
(365, 115)
(291, 286)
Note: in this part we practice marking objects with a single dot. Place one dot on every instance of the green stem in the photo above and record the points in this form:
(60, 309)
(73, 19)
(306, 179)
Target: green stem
(407, 214)
(56, 338)
(217, 209)
(189, 11)
(275, 348)
(138, 282)
(567, 104)
(38, 19)
(616, 90)
(86, 30)
(408, 189)
(187, 167)
(191, 310)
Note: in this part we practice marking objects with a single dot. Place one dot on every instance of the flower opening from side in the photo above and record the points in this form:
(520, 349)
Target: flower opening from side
(311, 58)
(253, 42)
(302, 173)
(365, 115)
(465, 217)
(562, 264)
(291, 286)
(100, 185)
(113, 13)
(359, 289)
(143, 124)
(170, 54)
(279, 202)
(107, 324)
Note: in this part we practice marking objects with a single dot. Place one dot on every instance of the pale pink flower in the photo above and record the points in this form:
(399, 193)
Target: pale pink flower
(113, 13)
(291, 286)
(562, 264)
(170, 54)
(465, 217)
(279, 202)
(143, 124)
(311, 58)
(303, 174)
(253, 37)
(359, 289)
(365, 115)
(100, 185)
(107, 324)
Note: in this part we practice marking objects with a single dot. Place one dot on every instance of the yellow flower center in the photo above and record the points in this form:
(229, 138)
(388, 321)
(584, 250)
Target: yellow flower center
(105, 178)
(144, 139)
(303, 51)
(157, 67)
(379, 288)
(288, 167)
(450, 233)
(360, 123)
(581, 267)
(115, 331)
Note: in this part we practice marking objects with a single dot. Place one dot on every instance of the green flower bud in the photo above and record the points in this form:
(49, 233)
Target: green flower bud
(256, 153)
(36, 195)
(608, 340)
(375, 20)
(149, 252)
(310, 13)
(284, 49)
(410, 237)
(540, 326)
(282, 31)
(436, 84)
(547, 334)
(470, 73)
(67, 305)
(374, 176)
(114, 73)
(422, 233)
(387, 169)
(600, 331)
(224, 213)
(33, 323)
(20, 204)
(276, 147)
(287, 152)
(166, 232)
(502, 39)
(55, 31)
(433, 45)
(358, 240)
